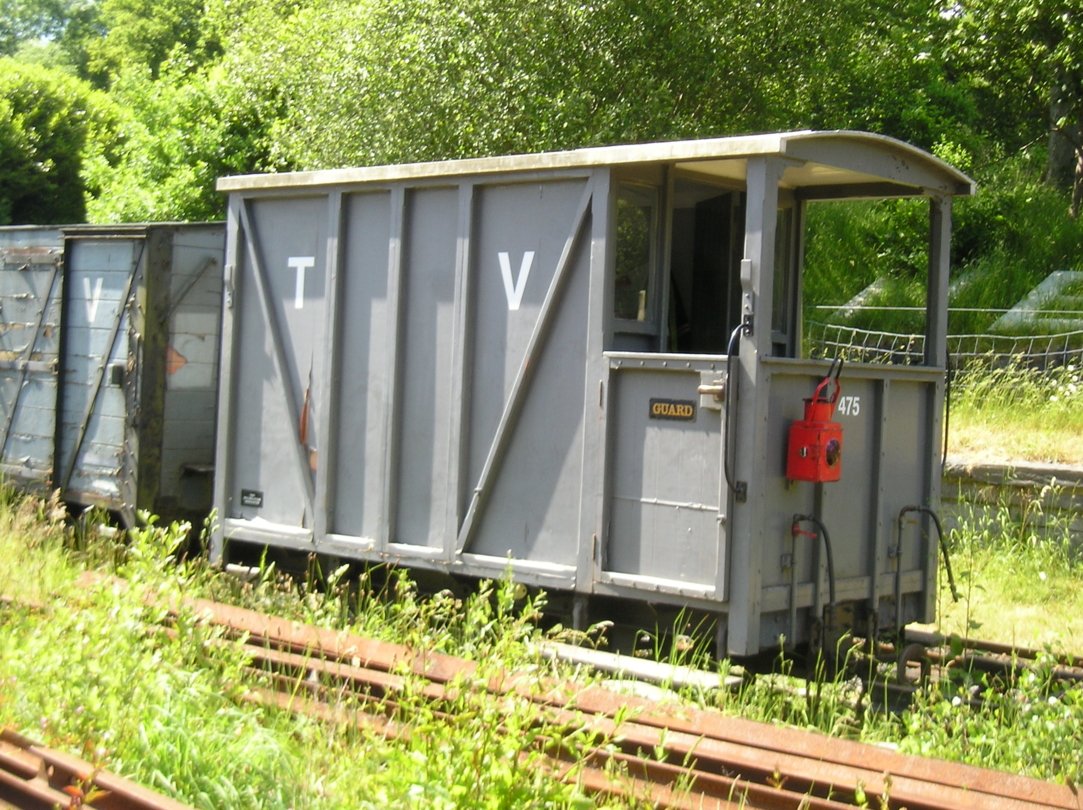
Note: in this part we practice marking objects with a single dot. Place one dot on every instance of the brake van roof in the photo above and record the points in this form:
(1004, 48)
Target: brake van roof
(836, 163)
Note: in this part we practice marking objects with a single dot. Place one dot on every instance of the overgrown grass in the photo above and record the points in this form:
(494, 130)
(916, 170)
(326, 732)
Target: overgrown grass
(1018, 569)
(1018, 413)
(85, 668)
(1018, 565)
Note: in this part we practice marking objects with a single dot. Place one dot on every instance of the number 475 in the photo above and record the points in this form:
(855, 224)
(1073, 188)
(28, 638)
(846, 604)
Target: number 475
(849, 406)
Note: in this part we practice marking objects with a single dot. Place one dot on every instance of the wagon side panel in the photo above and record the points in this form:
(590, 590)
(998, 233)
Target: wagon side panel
(192, 319)
(277, 321)
(424, 372)
(365, 376)
(530, 274)
(99, 371)
(31, 287)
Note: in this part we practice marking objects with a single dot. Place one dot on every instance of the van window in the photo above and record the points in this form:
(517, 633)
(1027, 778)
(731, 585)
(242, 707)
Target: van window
(637, 217)
(783, 305)
(704, 288)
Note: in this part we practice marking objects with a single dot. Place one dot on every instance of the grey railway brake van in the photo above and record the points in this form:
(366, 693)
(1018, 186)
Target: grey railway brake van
(580, 368)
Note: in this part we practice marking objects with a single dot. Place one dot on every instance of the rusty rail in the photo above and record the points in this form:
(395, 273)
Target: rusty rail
(994, 656)
(674, 756)
(33, 777)
(670, 755)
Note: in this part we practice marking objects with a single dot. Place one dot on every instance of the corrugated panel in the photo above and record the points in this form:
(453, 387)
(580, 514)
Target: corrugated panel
(30, 311)
(99, 360)
(193, 317)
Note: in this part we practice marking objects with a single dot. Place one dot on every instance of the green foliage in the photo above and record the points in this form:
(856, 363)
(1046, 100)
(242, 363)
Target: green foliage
(179, 134)
(392, 82)
(53, 33)
(1032, 726)
(1009, 237)
(49, 124)
(1018, 568)
(875, 249)
(88, 671)
(891, 74)
(142, 35)
(23, 20)
(88, 668)
(1017, 56)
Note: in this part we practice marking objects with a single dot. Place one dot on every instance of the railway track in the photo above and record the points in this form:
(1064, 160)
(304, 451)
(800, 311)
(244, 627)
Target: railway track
(993, 657)
(672, 756)
(33, 777)
(923, 657)
(666, 755)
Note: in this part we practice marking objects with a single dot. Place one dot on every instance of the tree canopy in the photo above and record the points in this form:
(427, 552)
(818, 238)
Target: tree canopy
(199, 88)
(50, 124)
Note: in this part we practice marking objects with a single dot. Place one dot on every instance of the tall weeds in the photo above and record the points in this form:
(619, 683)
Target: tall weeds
(84, 665)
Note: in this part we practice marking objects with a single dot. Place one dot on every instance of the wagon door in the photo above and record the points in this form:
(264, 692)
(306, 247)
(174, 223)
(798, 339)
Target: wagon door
(664, 524)
(97, 449)
(664, 527)
(30, 293)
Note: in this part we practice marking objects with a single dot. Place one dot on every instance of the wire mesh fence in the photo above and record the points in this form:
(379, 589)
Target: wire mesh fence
(830, 340)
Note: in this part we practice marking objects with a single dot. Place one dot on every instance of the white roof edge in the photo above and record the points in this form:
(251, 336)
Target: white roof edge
(731, 147)
(889, 143)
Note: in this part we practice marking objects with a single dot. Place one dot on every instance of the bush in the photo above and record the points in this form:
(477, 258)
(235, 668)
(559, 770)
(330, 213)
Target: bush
(50, 123)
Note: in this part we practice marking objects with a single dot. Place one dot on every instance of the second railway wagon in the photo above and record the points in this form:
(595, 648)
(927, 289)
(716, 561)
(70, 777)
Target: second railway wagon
(109, 364)
(584, 368)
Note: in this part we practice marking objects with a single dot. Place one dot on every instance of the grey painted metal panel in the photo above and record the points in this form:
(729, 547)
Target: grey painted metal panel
(30, 311)
(31, 236)
(425, 362)
(363, 381)
(596, 370)
(94, 450)
(531, 275)
(226, 495)
(281, 319)
(329, 368)
(861, 525)
(129, 324)
(666, 517)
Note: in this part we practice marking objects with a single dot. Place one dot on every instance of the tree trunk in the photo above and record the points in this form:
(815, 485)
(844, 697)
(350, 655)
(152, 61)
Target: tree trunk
(1060, 169)
(1077, 186)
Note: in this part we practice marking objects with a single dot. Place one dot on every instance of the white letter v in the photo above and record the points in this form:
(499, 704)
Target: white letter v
(514, 290)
